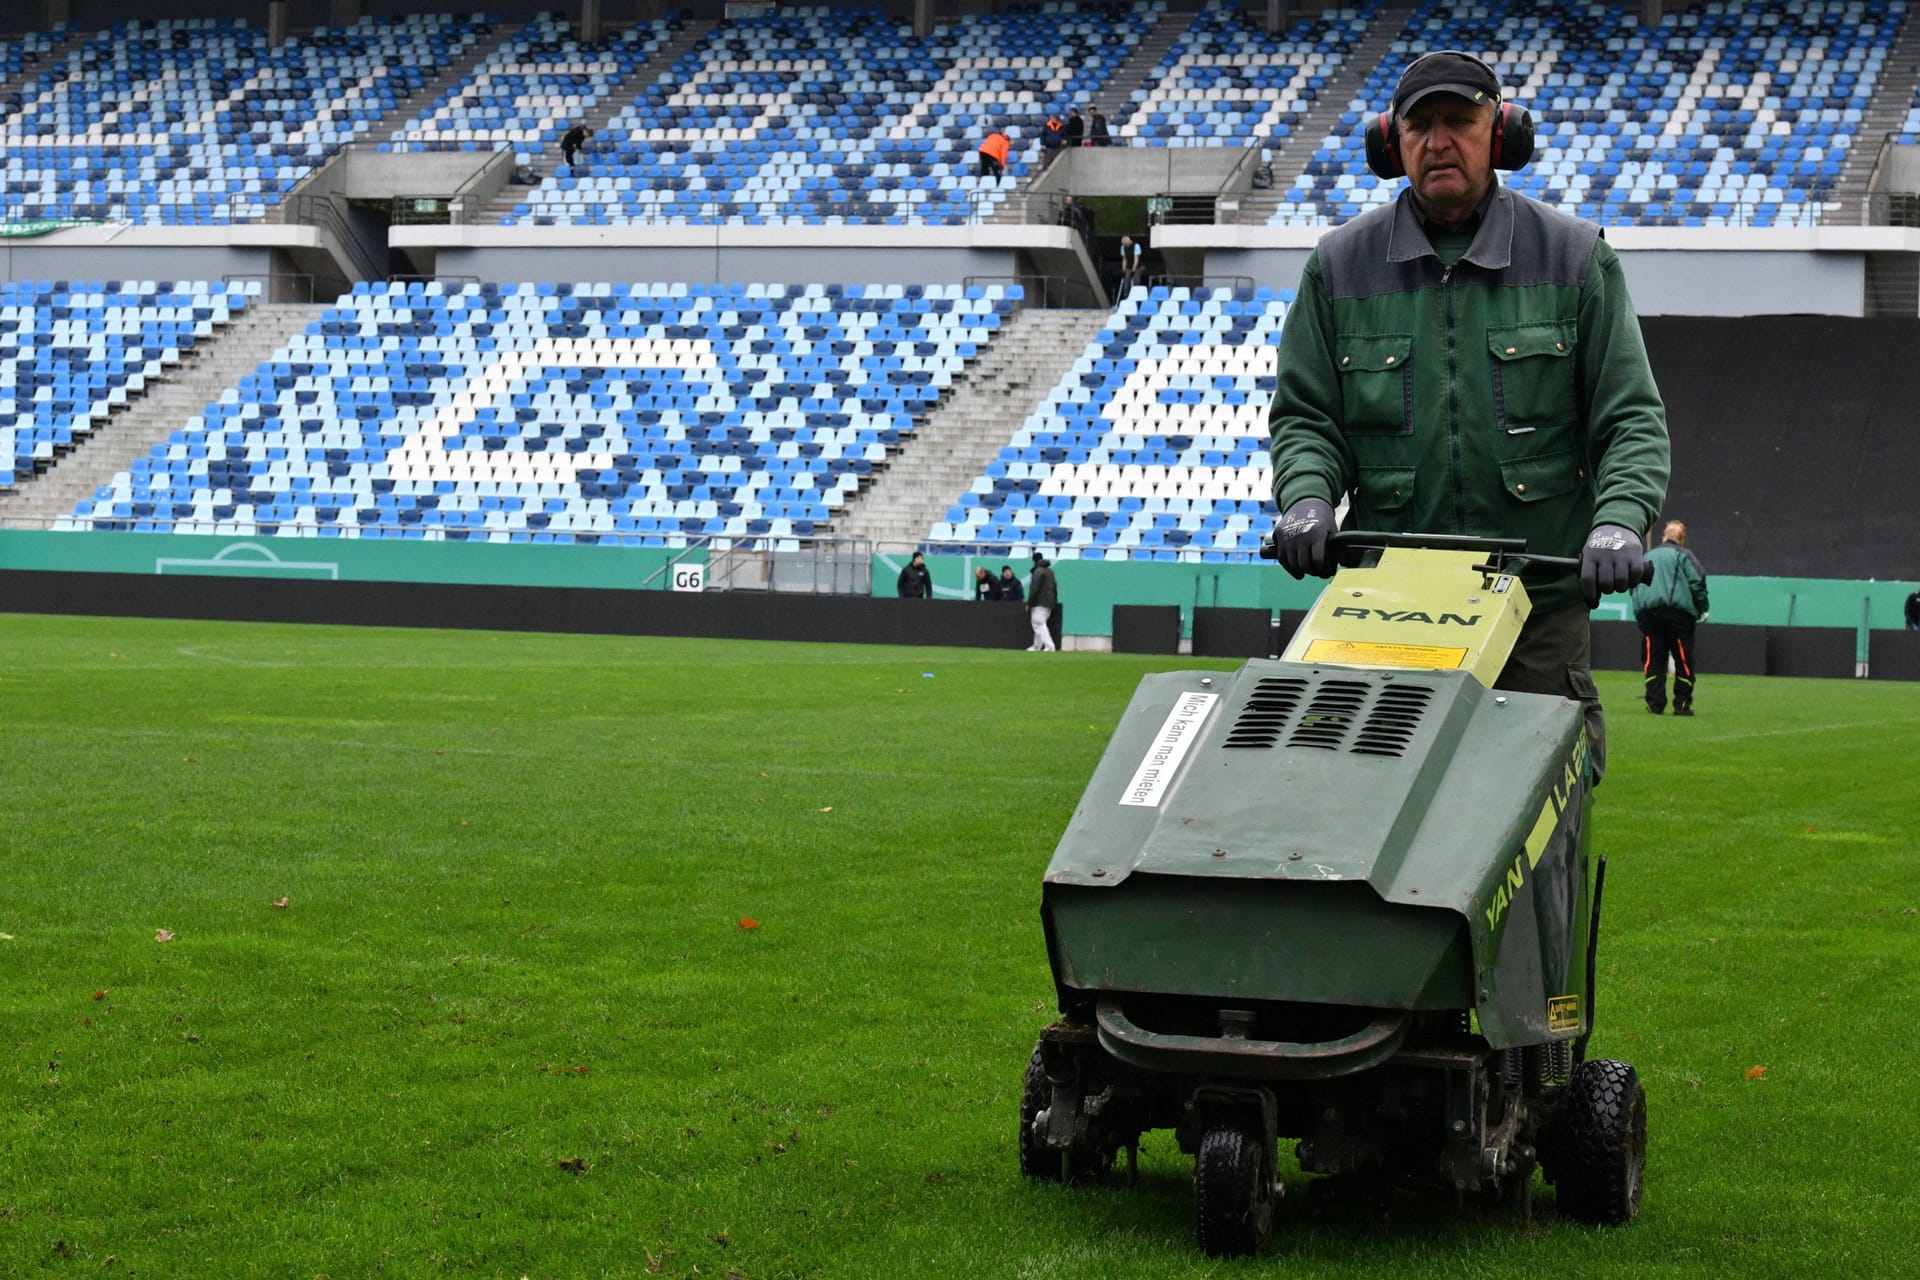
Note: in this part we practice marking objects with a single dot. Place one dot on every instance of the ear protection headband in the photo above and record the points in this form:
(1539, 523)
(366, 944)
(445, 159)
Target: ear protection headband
(1512, 136)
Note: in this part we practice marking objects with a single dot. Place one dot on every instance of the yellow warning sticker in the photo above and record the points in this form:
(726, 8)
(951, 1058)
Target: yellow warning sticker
(1360, 653)
(1563, 1013)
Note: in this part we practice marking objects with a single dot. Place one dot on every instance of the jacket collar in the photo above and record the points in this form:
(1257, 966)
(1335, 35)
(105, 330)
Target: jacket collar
(1492, 246)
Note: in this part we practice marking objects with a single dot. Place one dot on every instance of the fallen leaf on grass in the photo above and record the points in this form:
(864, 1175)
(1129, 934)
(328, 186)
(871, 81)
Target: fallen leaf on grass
(1809, 830)
(574, 1164)
(282, 903)
(437, 751)
(748, 922)
(7, 937)
(192, 760)
(1756, 1072)
(465, 823)
(100, 995)
(566, 1071)
(827, 809)
(163, 935)
(1909, 911)
(763, 773)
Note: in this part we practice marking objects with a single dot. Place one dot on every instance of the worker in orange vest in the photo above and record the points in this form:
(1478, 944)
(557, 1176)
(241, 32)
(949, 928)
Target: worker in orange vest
(993, 155)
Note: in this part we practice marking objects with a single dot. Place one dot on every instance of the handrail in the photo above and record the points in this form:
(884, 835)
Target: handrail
(270, 278)
(320, 211)
(1047, 283)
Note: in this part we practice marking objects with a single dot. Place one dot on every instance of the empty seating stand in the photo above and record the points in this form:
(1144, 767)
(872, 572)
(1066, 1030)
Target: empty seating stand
(201, 121)
(649, 415)
(73, 353)
(1736, 113)
(1152, 446)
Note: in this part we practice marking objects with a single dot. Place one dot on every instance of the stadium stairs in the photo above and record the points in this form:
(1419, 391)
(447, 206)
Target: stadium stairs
(401, 112)
(1136, 71)
(1257, 207)
(1034, 348)
(686, 39)
(1892, 96)
(13, 87)
(169, 401)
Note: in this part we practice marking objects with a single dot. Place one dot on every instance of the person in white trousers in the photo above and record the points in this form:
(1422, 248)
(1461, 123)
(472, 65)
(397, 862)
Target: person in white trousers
(1042, 597)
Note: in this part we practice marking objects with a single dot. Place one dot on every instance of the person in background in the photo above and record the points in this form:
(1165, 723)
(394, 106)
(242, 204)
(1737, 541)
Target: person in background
(1075, 131)
(1667, 609)
(1097, 135)
(992, 155)
(571, 143)
(985, 585)
(916, 580)
(1010, 588)
(1042, 598)
(1129, 265)
(1053, 137)
(1913, 612)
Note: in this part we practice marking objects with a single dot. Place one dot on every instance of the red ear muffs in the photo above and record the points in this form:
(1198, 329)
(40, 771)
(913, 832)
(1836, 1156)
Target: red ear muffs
(1512, 137)
(1383, 147)
(1512, 141)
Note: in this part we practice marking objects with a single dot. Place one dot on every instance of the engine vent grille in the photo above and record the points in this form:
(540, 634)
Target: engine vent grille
(1267, 712)
(1331, 715)
(1357, 716)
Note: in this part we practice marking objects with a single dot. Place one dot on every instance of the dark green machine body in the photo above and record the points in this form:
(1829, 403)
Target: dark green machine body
(1356, 838)
(1349, 905)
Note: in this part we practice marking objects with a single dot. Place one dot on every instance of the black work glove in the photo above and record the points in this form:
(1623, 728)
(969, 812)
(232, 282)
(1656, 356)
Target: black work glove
(1611, 561)
(1300, 539)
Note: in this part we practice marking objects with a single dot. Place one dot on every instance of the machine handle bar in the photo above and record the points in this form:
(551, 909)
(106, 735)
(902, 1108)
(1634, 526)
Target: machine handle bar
(1499, 550)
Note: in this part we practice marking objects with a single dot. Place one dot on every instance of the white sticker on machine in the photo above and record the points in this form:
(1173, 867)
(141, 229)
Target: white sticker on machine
(1162, 761)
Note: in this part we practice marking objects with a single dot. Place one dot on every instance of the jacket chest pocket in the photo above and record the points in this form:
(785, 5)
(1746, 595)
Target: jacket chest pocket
(1376, 384)
(1533, 378)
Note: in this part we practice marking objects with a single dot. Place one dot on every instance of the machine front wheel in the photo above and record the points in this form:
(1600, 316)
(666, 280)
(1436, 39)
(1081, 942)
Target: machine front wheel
(1600, 1152)
(1038, 1161)
(1232, 1193)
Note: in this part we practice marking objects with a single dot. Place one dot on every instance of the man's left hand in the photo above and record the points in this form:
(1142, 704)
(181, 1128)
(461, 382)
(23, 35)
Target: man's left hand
(1612, 560)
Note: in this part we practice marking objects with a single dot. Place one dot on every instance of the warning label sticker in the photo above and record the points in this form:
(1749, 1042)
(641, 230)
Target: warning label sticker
(1360, 653)
(1563, 1013)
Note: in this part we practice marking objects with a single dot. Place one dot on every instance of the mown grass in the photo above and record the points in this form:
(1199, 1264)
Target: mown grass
(509, 1022)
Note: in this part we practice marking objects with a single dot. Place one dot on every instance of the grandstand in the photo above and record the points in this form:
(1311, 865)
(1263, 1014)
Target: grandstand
(383, 309)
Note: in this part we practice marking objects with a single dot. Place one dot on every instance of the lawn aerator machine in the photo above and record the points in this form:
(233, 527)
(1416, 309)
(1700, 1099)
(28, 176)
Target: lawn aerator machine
(1344, 898)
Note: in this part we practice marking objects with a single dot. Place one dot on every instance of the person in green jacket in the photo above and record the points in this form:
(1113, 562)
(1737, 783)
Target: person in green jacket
(1667, 608)
(1466, 360)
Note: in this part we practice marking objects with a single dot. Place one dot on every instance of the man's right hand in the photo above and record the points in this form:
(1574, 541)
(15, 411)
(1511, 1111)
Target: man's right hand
(1300, 539)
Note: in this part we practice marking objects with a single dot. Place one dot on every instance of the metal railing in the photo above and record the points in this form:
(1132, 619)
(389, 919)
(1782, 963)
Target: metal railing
(768, 562)
(1044, 291)
(281, 286)
(1237, 283)
(323, 211)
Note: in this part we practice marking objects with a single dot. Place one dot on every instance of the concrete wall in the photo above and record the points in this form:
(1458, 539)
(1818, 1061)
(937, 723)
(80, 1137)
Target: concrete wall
(1141, 171)
(731, 263)
(27, 260)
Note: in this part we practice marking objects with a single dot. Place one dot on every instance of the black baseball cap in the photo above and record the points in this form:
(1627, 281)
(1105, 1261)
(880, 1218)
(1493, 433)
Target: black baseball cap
(1448, 71)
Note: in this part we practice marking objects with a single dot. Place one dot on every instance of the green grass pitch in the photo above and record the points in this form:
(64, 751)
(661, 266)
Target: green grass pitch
(508, 1021)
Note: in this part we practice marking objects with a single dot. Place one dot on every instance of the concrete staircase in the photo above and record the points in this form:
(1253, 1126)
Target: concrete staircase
(403, 112)
(967, 430)
(603, 112)
(179, 394)
(1850, 204)
(1296, 152)
(13, 88)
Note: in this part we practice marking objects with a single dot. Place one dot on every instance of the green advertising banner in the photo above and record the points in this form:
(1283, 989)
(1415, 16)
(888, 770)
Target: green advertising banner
(42, 226)
(342, 559)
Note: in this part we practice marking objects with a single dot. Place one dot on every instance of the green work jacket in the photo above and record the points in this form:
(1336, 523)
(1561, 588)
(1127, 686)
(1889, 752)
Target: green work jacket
(1505, 395)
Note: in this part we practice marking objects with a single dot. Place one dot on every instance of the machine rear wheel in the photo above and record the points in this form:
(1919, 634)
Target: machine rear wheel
(1599, 1153)
(1232, 1193)
(1039, 1161)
